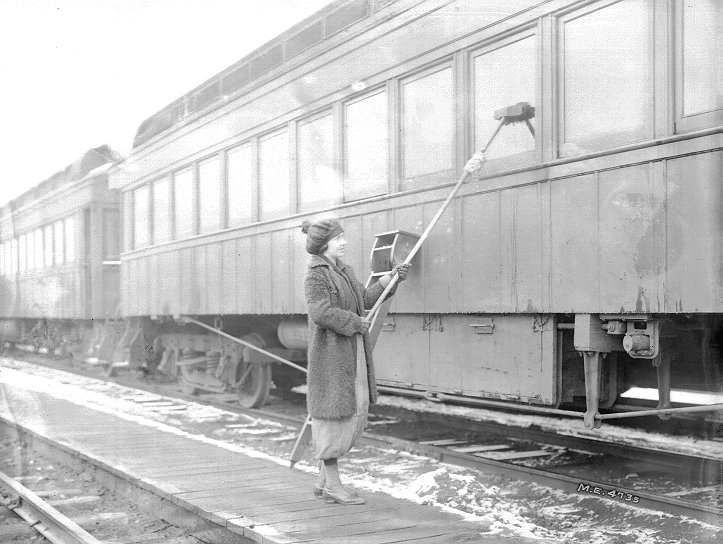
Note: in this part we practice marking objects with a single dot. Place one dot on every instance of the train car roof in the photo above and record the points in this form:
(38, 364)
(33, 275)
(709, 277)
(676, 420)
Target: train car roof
(90, 162)
(310, 32)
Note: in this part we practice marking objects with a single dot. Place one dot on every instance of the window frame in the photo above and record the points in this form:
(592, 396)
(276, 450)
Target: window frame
(219, 156)
(288, 130)
(333, 115)
(521, 158)
(252, 145)
(169, 210)
(194, 201)
(149, 238)
(391, 135)
(440, 176)
(696, 121)
(570, 148)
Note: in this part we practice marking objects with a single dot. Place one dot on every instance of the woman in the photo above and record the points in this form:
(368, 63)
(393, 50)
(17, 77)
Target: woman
(340, 372)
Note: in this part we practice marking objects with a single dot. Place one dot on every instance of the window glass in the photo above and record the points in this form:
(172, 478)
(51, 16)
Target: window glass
(48, 247)
(366, 147)
(14, 256)
(209, 191)
(428, 124)
(502, 78)
(69, 228)
(607, 71)
(183, 204)
(3, 259)
(274, 176)
(22, 250)
(58, 244)
(319, 184)
(30, 251)
(111, 237)
(239, 169)
(702, 56)
(161, 211)
(39, 248)
(141, 225)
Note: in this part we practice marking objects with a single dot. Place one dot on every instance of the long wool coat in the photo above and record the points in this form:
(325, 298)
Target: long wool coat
(332, 360)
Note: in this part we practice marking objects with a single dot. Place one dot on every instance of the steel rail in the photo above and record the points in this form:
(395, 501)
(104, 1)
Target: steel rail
(42, 517)
(660, 503)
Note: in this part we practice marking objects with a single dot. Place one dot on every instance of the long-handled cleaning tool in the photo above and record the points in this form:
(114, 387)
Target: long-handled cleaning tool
(521, 112)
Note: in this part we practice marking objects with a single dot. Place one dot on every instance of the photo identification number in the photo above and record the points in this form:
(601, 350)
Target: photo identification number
(612, 493)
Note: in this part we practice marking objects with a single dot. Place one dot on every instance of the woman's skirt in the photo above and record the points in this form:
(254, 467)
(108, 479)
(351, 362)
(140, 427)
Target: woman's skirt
(333, 438)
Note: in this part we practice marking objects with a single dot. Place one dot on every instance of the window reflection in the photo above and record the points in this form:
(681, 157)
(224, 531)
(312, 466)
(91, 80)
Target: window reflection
(209, 192)
(502, 78)
(428, 124)
(702, 56)
(240, 186)
(319, 184)
(274, 176)
(183, 204)
(366, 147)
(607, 71)
(140, 218)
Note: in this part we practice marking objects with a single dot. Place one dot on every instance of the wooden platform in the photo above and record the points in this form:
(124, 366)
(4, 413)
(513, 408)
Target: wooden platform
(255, 497)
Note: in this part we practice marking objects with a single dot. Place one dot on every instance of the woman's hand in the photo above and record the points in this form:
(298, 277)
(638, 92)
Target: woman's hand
(401, 270)
(364, 327)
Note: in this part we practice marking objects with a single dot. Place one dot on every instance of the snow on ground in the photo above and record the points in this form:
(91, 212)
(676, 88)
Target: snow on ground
(493, 505)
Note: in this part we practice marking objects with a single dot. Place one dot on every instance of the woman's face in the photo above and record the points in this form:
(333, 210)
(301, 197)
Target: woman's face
(336, 247)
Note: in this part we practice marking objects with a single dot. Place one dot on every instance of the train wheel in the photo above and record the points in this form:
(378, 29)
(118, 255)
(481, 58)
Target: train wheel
(254, 390)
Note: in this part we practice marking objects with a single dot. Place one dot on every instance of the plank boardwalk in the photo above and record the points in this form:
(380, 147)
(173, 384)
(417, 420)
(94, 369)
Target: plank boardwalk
(254, 497)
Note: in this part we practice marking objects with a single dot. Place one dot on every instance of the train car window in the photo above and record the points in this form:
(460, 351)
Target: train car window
(30, 251)
(161, 210)
(141, 217)
(58, 243)
(22, 251)
(239, 171)
(111, 234)
(3, 259)
(702, 56)
(427, 124)
(14, 257)
(209, 193)
(69, 228)
(320, 186)
(183, 204)
(39, 249)
(366, 147)
(48, 246)
(606, 75)
(502, 77)
(274, 190)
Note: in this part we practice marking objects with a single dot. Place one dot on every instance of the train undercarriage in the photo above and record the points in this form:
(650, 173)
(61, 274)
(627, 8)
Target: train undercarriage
(595, 360)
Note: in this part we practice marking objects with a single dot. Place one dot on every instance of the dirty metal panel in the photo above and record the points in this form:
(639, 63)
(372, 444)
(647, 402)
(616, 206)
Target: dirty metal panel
(132, 266)
(632, 245)
(201, 279)
(574, 244)
(445, 369)
(480, 244)
(245, 297)
(228, 294)
(401, 355)
(142, 286)
(171, 284)
(300, 264)
(438, 258)
(155, 281)
(410, 295)
(695, 273)
(189, 289)
(281, 271)
(515, 361)
(124, 288)
(214, 278)
(263, 275)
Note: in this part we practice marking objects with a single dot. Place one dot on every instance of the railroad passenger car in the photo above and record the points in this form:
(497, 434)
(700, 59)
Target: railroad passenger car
(577, 265)
(59, 258)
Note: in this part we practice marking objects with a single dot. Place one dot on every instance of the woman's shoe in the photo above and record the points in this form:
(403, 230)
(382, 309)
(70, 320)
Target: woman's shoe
(318, 491)
(345, 498)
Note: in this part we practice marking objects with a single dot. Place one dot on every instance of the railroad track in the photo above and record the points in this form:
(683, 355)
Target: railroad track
(572, 464)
